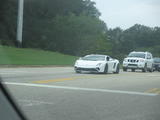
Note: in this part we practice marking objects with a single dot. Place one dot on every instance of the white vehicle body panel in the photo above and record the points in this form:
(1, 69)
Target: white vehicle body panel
(97, 66)
(138, 63)
(131, 61)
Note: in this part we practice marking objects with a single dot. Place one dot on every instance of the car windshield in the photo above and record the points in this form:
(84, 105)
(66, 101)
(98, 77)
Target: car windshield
(94, 58)
(157, 60)
(139, 55)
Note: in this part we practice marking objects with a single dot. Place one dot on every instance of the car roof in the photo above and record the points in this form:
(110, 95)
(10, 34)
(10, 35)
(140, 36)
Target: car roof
(139, 52)
(96, 55)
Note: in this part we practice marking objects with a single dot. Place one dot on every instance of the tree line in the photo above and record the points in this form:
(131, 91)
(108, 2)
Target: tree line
(135, 38)
(73, 27)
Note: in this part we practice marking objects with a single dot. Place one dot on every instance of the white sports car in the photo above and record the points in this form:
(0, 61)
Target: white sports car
(97, 63)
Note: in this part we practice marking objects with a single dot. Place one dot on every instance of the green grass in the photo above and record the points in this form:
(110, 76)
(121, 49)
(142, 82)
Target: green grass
(23, 56)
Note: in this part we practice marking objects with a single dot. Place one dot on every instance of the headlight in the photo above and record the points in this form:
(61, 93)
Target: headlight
(99, 64)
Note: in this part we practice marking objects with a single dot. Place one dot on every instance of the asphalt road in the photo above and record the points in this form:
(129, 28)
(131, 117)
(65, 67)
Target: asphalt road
(58, 93)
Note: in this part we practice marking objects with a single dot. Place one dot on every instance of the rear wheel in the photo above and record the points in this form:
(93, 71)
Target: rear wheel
(117, 69)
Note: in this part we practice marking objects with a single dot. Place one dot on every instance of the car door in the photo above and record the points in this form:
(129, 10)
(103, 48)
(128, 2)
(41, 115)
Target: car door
(149, 60)
(111, 63)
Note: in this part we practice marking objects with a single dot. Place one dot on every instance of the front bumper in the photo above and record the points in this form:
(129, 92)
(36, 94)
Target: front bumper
(133, 65)
(87, 69)
(97, 69)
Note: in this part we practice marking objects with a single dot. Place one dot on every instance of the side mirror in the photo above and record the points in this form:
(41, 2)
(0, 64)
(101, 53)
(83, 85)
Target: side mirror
(107, 58)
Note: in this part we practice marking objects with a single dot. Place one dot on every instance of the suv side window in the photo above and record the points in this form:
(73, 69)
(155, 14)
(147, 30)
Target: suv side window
(148, 56)
(151, 56)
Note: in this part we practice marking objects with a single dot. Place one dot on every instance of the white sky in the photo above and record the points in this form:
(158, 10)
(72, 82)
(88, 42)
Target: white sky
(126, 13)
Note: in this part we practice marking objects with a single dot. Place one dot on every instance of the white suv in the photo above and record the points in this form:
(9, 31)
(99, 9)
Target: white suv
(138, 60)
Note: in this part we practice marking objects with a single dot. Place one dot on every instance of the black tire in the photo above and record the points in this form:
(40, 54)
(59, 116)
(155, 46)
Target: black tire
(117, 69)
(125, 69)
(106, 69)
(133, 70)
(145, 68)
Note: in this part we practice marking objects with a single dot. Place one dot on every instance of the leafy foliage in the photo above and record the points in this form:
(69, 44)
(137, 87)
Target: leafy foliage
(73, 27)
(136, 38)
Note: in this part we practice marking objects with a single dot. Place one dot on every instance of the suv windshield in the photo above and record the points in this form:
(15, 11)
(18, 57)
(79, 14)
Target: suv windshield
(139, 55)
(94, 58)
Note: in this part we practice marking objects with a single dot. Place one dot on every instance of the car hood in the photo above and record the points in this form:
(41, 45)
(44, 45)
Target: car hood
(88, 63)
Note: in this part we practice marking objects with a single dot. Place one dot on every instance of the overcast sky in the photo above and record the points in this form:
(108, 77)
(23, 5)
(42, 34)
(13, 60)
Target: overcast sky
(126, 13)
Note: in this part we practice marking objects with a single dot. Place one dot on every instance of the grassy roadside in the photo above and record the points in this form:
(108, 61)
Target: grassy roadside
(23, 56)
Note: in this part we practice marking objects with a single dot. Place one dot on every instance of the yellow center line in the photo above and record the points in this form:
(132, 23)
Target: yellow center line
(54, 80)
(65, 79)
(154, 90)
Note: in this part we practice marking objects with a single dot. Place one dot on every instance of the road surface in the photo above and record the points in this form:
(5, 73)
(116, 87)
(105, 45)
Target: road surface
(58, 93)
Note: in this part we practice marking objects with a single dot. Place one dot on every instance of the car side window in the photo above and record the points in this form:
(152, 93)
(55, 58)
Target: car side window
(148, 56)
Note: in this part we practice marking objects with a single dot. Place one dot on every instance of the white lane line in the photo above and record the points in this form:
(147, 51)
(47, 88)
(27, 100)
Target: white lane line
(29, 103)
(154, 75)
(81, 89)
(6, 73)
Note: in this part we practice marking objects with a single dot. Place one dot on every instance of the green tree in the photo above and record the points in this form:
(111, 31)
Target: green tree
(8, 13)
